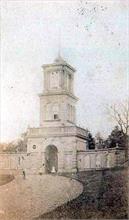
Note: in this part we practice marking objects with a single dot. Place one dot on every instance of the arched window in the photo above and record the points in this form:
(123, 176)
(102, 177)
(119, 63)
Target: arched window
(48, 111)
(71, 113)
(69, 79)
(54, 80)
(74, 114)
(55, 111)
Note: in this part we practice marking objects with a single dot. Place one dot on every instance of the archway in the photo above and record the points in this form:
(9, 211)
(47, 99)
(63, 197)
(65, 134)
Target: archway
(51, 159)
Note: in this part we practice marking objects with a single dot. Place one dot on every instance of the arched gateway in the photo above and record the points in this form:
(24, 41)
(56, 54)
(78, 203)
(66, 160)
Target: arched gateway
(51, 159)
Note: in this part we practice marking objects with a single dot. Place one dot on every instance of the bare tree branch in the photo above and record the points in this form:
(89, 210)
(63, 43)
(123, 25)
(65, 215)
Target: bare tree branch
(120, 114)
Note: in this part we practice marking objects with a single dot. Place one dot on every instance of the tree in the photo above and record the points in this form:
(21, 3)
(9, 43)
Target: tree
(120, 115)
(3, 146)
(116, 138)
(18, 145)
(99, 142)
(90, 141)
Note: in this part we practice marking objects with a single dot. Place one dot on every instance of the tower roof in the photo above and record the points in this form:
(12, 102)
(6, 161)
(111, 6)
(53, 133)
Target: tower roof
(59, 61)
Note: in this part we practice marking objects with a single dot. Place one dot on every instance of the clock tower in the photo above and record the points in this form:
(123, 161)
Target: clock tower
(55, 143)
(57, 102)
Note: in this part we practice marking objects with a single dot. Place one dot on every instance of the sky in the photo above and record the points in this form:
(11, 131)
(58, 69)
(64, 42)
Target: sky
(93, 38)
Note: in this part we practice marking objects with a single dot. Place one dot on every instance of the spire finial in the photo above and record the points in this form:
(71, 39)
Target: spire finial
(59, 58)
(59, 43)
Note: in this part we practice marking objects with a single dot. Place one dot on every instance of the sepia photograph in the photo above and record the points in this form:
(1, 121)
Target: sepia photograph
(64, 109)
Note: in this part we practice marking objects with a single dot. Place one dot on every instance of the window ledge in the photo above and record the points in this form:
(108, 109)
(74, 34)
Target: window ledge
(52, 120)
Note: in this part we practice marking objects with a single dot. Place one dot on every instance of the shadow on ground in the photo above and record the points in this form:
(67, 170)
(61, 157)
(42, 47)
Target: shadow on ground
(5, 178)
(104, 196)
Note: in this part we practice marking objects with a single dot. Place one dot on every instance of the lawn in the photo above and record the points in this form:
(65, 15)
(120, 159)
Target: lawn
(104, 196)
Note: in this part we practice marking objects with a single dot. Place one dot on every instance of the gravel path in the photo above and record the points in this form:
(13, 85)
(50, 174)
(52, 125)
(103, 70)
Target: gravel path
(25, 199)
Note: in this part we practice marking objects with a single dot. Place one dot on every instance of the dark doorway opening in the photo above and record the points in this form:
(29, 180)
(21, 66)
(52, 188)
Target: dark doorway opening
(51, 159)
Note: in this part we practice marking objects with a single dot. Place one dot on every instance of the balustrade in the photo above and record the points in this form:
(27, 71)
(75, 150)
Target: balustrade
(57, 131)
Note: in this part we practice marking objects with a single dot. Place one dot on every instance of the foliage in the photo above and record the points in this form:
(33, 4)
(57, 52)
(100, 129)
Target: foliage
(99, 141)
(120, 114)
(90, 141)
(116, 139)
(16, 146)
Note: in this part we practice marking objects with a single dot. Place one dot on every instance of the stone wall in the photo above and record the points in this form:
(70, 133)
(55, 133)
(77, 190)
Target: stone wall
(11, 161)
(100, 159)
(81, 161)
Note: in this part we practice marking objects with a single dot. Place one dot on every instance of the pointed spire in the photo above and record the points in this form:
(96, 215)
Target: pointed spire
(59, 59)
(59, 43)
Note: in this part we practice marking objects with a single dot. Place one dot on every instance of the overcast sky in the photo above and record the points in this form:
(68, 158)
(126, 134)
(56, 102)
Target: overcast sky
(94, 40)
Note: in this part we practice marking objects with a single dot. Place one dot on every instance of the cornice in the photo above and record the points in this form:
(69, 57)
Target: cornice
(58, 93)
(57, 65)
